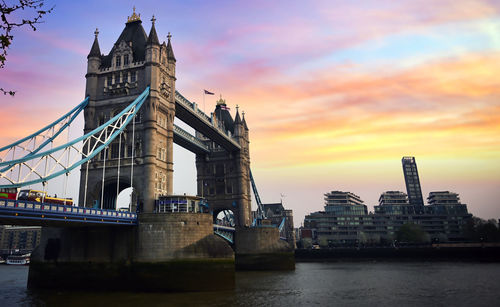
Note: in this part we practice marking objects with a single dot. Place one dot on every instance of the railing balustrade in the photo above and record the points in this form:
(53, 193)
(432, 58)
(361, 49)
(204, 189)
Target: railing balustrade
(36, 207)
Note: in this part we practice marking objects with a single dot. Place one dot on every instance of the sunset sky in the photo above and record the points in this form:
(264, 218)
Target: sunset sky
(334, 92)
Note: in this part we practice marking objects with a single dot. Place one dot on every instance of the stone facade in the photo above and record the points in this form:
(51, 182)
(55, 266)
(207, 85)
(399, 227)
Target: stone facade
(165, 252)
(224, 177)
(260, 248)
(136, 61)
(113, 81)
(180, 235)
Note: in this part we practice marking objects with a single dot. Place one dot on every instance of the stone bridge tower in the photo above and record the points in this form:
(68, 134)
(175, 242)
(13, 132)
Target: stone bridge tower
(224, 177)
(136, 61)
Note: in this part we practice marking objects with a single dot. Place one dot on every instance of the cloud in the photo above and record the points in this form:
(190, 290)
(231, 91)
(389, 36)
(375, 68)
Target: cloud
(362, 116)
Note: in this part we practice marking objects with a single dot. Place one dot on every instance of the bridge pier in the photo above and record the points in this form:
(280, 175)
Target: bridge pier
(260, 248)
(165, 252)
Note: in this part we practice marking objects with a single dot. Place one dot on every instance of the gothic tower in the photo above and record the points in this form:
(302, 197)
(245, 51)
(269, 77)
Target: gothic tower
(224, 177)
(137, 60)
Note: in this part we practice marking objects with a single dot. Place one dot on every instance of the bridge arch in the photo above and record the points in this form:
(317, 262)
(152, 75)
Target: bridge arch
(110, 191)
(224, 217)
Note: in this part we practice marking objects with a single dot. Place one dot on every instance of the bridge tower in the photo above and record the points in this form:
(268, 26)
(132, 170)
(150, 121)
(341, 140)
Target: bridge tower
(224, 177)
(136, 61)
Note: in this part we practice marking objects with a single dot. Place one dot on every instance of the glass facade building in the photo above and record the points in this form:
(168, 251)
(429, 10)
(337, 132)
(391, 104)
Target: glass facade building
(412, 181)
(444, 219)
(344, 203)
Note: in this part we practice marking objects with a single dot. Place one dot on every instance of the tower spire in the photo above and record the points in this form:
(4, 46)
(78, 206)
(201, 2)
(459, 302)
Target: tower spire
(170, 51)
(153, 37)
(244, 122)
(237, 119)
(95, 51)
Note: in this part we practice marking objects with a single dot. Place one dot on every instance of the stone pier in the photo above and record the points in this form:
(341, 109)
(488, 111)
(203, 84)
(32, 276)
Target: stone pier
(165, 252)
(260, 248)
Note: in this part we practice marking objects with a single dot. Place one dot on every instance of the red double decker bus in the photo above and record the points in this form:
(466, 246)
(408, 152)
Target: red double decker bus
(8, 193)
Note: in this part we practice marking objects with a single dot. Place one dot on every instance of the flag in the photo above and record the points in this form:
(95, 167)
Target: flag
(225, 108)
(208, 93)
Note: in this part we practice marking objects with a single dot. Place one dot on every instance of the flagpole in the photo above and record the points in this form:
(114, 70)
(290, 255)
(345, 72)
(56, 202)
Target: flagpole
(203, 101)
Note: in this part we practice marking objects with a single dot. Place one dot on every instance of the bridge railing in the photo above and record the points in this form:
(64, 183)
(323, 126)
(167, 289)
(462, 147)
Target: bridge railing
(37, 207)
(225, 232)
(188, 103)
(183, 100)
(188, 136)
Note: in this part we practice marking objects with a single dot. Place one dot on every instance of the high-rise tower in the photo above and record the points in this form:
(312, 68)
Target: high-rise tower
(412, 181)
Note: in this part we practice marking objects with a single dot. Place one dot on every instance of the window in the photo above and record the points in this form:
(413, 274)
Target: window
(133, 77)
(125, 59)
(118, 78)
(161, 120)
(118, 61)
(109, 80)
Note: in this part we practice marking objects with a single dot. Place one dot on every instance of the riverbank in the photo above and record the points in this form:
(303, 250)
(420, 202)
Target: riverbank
(471, 253)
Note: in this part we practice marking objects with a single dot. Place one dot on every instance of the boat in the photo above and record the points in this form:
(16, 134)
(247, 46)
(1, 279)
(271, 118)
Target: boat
(1, 260)
(19, 259)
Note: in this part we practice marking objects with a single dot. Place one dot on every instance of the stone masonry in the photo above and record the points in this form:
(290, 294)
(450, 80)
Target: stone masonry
(136, 61)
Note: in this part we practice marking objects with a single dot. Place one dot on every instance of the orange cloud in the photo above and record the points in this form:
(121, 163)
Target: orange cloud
(441, 107)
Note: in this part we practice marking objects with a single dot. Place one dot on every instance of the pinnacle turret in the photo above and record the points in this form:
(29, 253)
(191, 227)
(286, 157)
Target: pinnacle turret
(244, 122)
(95, 51)
(153, 37)
(237, 119)
(170, 51)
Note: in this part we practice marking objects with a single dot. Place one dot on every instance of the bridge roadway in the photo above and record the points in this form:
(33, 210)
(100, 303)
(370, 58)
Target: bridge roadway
(27, 213)
(189, 113)
(189, 141)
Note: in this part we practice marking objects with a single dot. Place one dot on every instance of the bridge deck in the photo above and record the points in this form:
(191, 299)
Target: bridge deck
(44, 214)
(189, 141)
(190, 114)
(18, 212)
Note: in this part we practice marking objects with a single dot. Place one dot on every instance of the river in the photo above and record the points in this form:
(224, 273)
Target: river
(319, 284)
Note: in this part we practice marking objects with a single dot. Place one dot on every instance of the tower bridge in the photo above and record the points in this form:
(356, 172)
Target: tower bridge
(129, 110)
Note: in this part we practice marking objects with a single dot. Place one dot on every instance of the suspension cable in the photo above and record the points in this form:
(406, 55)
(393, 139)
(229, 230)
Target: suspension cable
(45, 183)
(86, 177)
(118, 180)
(132, 163)
(67, 173)
(32, 162)
(103, 170)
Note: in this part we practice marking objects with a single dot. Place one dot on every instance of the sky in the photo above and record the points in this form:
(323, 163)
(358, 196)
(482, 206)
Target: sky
(335, 93)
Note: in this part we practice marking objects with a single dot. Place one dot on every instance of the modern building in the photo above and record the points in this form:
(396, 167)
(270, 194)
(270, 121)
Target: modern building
(445, 202)
(344, 203)
(444, 219)
(394, 202)
(412, 181)
(392, 198)
(18, 238)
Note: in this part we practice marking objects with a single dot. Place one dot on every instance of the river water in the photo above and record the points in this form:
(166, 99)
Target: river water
(311, 284)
